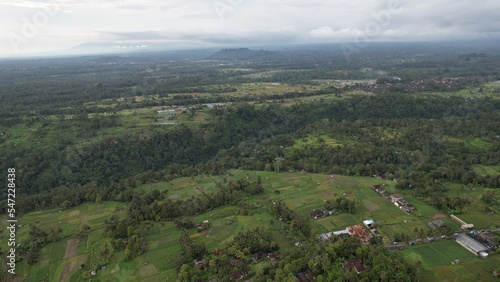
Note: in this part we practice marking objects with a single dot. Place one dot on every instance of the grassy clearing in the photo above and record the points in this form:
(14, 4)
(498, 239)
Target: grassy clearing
(485, 170)
(52, 261)
(488, 89)
(479, 143)
(436, 259)
(315, 141)
(474, 212)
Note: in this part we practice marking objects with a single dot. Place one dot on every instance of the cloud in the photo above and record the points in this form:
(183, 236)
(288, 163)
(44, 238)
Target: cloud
(327, 32)
(244, 21)
(31, 4)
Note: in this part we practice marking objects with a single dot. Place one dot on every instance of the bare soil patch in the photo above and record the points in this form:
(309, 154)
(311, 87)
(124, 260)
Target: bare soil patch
(326, 194)
(71, 247)
(328, 181)
(371, 207)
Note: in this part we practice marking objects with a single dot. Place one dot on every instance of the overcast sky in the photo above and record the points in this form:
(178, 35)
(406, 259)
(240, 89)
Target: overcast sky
(34, 26)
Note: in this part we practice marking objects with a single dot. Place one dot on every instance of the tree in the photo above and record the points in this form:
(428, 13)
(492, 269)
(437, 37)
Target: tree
(191, 249)
(277, 163)
(98, 199)
(65, 205)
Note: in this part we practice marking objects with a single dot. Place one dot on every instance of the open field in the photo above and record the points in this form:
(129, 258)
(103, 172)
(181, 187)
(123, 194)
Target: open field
(474, 212)
(268, 88)
(301, 191)
(436, 259)
(63, 258)
(314, 141)
(305, 192)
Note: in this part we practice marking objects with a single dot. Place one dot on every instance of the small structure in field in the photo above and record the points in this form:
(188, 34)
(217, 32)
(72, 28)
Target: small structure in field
(315, 214)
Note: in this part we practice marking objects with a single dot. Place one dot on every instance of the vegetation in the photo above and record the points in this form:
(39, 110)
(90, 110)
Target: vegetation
(112, 190)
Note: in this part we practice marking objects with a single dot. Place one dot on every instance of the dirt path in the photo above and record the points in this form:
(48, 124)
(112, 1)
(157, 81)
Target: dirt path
(71, 247)
(327, 181)
(439, 215)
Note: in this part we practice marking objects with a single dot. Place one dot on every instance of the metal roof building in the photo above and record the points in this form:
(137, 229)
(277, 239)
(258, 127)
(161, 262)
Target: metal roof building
(470, 244)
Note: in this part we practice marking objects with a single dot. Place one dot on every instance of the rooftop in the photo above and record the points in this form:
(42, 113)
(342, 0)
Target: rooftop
(305, 276)
(355, 264)
(470, 243)
(260, 255)
(368, 222)
(316, 213)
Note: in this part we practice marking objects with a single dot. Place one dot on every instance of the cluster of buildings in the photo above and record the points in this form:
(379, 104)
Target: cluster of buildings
(416, 85)
(488, 239)
(357, 231)
(348, 265)
(260, 256)
(240, 274)
(396, 199)
(481, 244)
(472, 245)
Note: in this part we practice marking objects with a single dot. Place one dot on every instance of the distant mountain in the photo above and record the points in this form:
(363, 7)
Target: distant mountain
(245, 54)
(118, 48)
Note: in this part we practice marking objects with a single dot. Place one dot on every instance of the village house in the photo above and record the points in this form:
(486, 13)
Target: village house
(199, 262)
(340, 234)
(236, 262)
(273, 257)
(173, 112)
(239, 275)
(315, 214)
(396, 197)
(435, 224)
(305, 276)
(369, 223)
(378, 189)
(202, 225)
(353, 264)
(404, 205)
(360, 232)
(258, 256)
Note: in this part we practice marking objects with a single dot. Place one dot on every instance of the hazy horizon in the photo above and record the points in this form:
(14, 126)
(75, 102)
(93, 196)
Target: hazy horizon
(69, 27)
